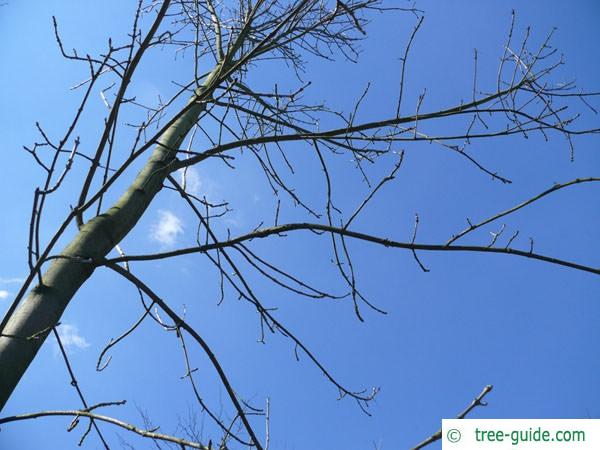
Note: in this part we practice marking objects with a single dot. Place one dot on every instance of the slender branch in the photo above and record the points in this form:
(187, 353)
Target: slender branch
(478, 401)
(265, 232)
(346, 131)
(554, 188)
(182, 324)
(83, 413)
(75, 384)
(112, 119)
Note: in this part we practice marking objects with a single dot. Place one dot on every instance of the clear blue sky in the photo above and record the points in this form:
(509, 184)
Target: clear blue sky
(528, 328)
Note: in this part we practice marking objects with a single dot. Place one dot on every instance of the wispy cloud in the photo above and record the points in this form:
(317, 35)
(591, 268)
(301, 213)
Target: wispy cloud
(167, 229)
(4, 280)
(4, 294)
(190, 180)
(70, 337)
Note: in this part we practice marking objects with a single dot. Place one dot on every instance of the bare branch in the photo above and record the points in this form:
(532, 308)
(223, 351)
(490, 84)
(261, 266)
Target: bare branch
(273, 231)
(85, 413)
(478, 401)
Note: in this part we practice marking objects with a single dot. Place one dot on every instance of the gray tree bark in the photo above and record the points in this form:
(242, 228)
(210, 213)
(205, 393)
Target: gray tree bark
(42, 309)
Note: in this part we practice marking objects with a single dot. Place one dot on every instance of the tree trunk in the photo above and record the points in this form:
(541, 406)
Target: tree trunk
(42, 309)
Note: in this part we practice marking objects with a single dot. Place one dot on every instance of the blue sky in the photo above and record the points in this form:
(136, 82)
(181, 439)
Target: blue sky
(528, 328)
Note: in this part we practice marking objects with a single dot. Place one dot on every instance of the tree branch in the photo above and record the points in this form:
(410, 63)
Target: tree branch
(266, 232)
(83, 413)
(478, 401)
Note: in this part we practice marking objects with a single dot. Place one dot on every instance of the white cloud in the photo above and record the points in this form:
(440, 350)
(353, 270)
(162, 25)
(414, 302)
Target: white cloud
(167, 229)
(70, 337)
(4, 294)
(190, 180)
(11, 280)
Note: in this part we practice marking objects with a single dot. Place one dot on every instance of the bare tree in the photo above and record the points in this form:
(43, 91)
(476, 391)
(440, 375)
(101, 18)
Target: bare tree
(225, 40)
